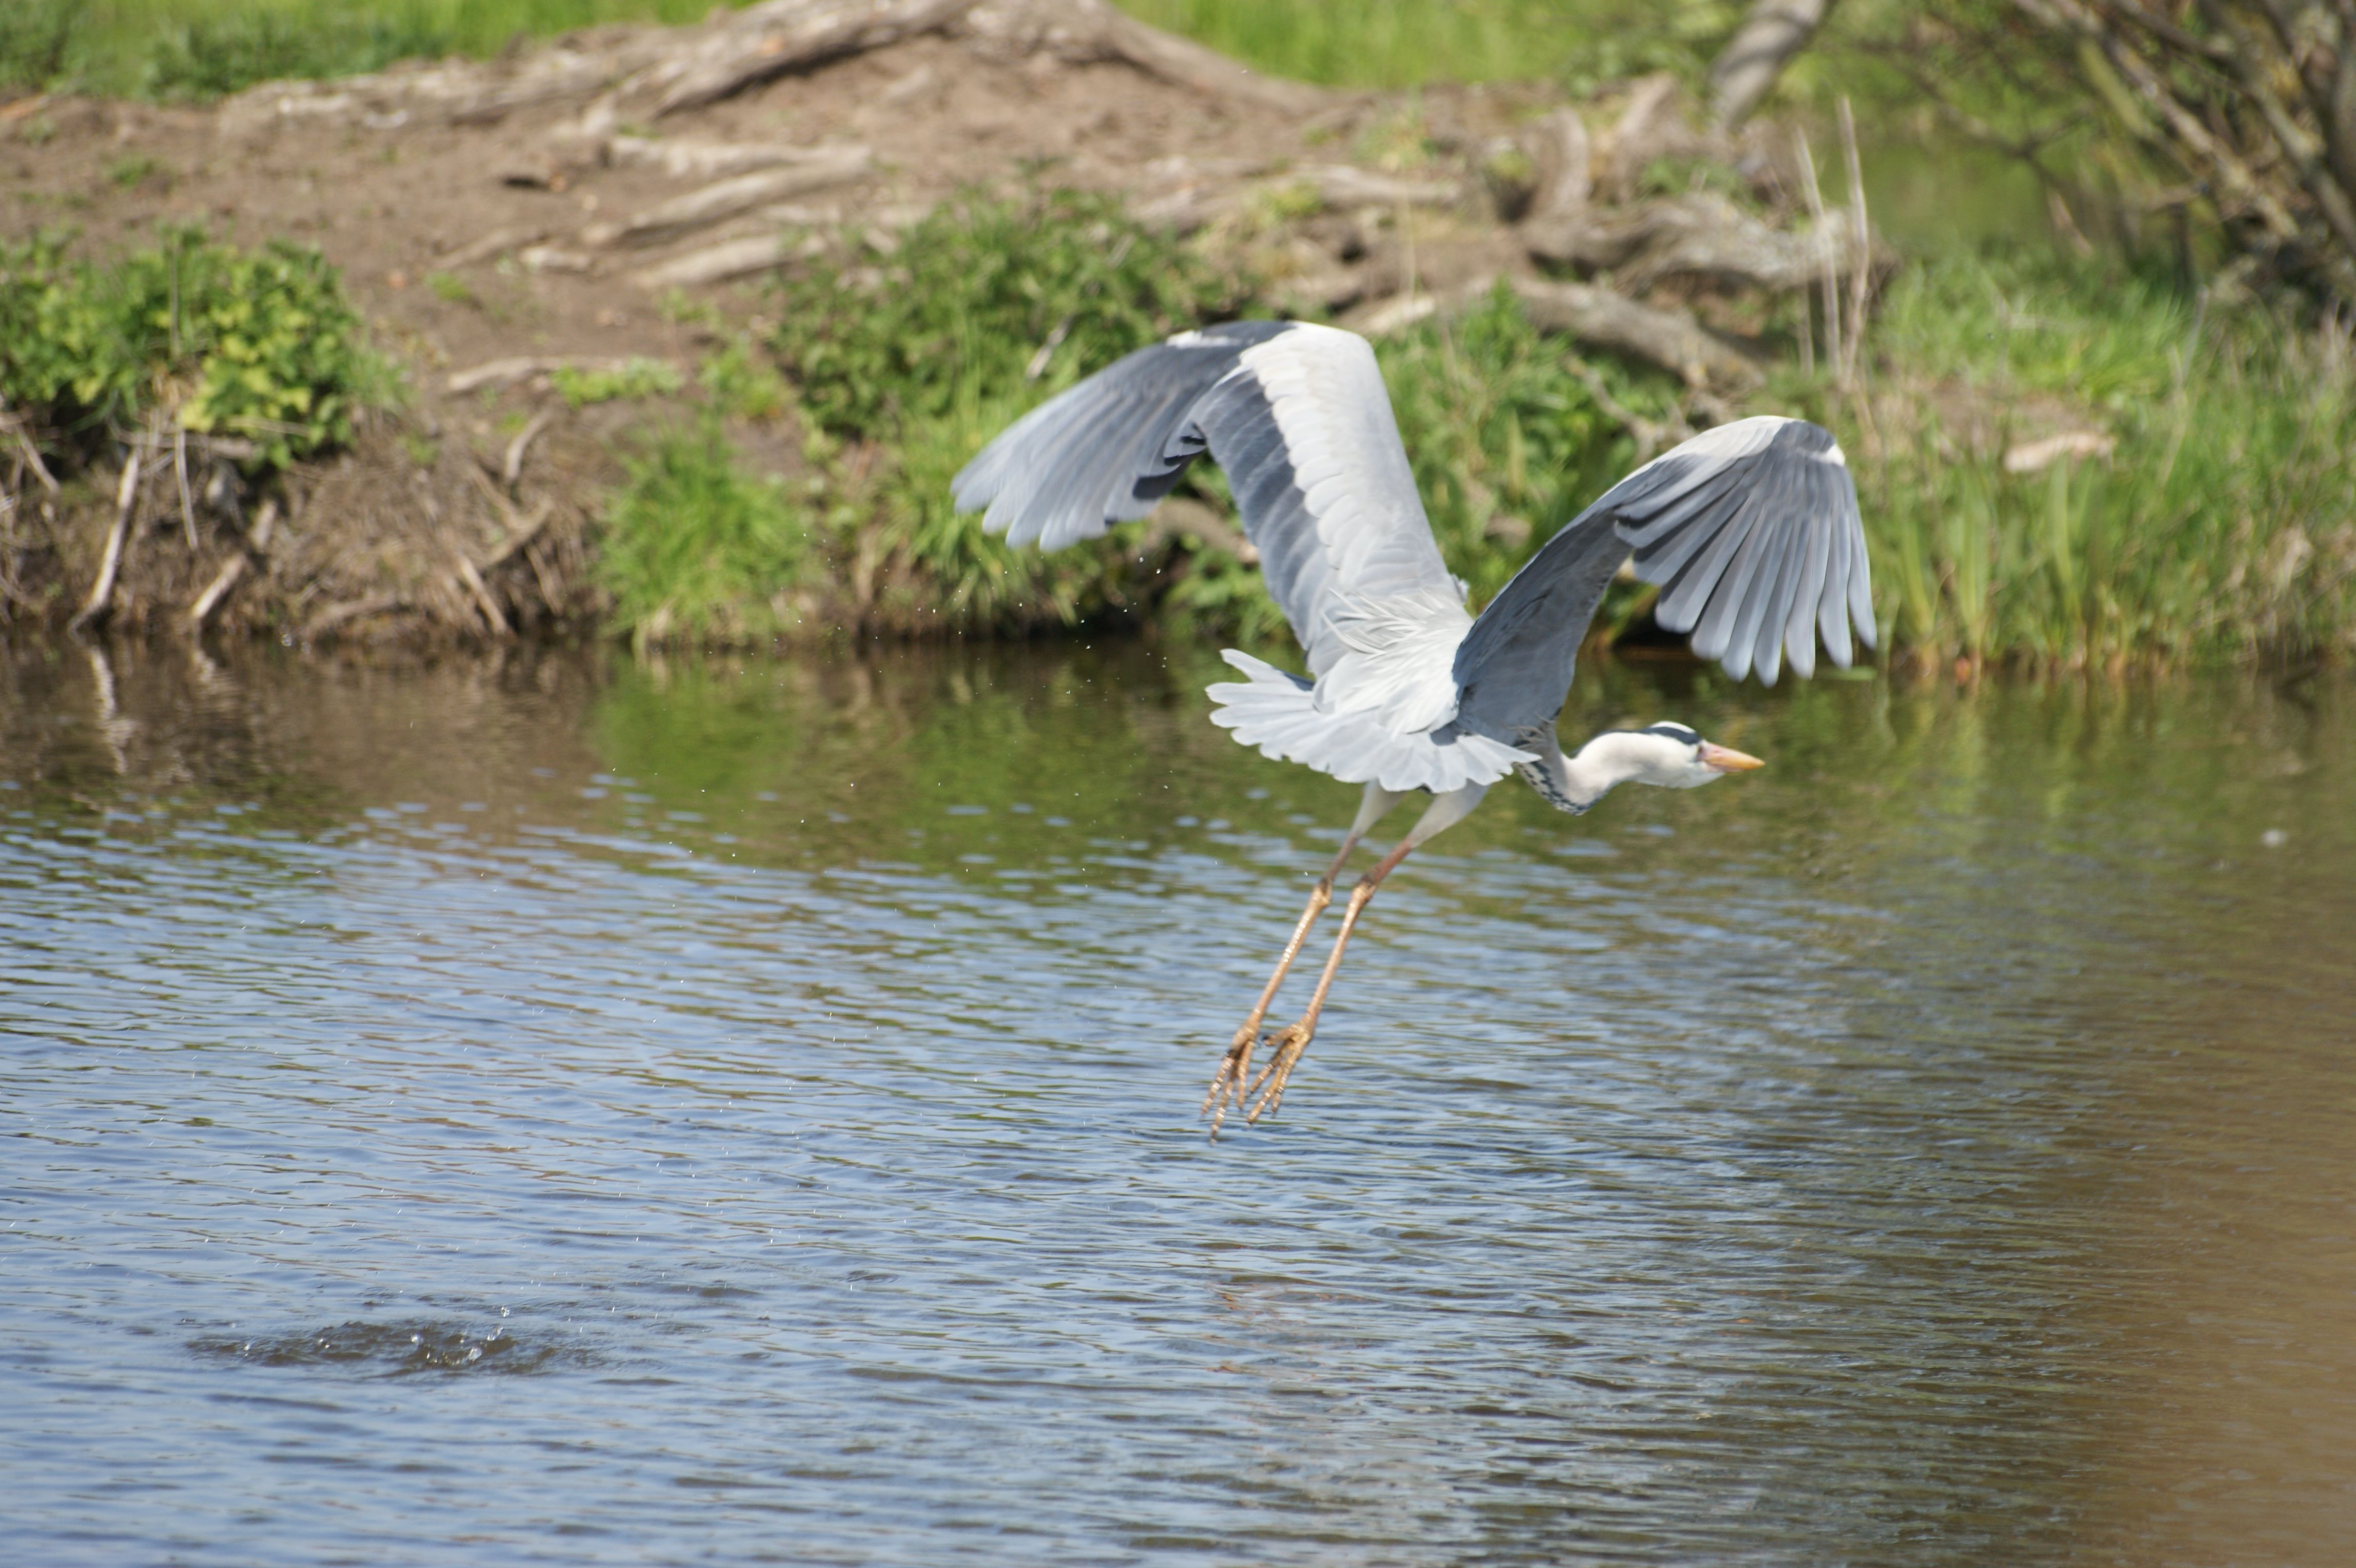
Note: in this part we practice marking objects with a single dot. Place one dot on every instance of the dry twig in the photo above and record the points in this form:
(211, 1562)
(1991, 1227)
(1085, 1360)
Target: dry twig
(511, 465)
(101, 592)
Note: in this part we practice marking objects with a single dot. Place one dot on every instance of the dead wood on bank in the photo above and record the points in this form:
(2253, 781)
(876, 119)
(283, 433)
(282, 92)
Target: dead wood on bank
(765, 41)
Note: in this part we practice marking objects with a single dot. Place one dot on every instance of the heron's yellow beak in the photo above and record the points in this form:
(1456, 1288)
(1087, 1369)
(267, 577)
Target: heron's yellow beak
(1727, 761)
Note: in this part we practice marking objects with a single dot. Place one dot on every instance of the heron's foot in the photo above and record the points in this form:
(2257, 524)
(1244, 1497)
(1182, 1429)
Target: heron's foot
(1290, 1042)
(1227, 1083)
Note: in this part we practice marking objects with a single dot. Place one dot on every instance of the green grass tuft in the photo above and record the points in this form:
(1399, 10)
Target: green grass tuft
(200, 49)
(1407, 43)
(37, 40)
(1505, 437)
(633, 378)
(695, 547)
(195, 50)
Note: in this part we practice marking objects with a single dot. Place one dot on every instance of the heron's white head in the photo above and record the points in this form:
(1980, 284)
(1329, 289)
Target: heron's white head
(1670, 755)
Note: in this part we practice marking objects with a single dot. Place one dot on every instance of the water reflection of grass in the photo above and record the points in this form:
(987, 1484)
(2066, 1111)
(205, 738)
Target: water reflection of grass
(1049, 763)
(1027, 753)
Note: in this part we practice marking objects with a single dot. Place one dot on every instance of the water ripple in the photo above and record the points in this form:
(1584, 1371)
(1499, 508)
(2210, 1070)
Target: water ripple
(1926, 1152)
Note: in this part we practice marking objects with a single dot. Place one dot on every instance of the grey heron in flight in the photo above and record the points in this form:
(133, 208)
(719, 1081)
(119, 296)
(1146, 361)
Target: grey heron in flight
(1751, 530)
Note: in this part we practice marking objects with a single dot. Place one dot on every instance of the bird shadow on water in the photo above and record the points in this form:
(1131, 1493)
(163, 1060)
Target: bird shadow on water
(402, 1349)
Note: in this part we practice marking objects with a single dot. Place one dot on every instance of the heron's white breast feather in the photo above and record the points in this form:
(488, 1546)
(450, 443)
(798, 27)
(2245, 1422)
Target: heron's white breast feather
(1398, 659)
(1274, 711)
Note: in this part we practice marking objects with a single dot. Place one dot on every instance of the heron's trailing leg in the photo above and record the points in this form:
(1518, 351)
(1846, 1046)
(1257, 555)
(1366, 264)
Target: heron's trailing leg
(1235, 1067)
(1445, 812)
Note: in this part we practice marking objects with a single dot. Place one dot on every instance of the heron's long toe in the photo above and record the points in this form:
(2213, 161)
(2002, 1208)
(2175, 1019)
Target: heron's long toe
(1290, 1042)
(1227, 1083)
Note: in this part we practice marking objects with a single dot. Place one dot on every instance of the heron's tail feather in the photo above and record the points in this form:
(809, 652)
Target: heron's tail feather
(1277, 711)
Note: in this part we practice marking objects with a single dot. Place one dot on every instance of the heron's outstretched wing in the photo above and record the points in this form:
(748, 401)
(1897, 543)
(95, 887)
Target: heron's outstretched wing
(1753, 531)
(1299, 418)
(1093, 455)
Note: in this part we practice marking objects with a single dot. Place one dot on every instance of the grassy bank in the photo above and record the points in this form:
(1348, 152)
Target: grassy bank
(201, 48)
(2066, 464)
(2213, 514)
(897, 375)
(184, 49)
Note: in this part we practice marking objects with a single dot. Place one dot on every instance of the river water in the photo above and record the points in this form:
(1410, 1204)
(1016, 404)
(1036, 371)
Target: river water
(550, 1108)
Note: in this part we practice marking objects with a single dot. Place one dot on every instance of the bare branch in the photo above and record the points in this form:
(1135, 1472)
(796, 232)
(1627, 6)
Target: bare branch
(1747, 68)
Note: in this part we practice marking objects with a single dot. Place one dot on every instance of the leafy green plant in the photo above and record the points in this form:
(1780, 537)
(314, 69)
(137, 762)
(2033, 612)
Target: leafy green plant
(988, 307)
(694, 546)
(259, 343)
(989, 295)
(634, 376)
(1504, 434)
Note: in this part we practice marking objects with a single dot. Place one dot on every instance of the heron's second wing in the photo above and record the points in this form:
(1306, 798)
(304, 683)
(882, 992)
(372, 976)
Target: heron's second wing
(1093, 455)
(1753, 531)
(1299, 418)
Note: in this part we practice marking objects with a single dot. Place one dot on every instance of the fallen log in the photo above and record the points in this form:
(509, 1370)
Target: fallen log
(526, 529)
(1091, 32)
(497, 243)
(765, 41)
(1198, 202)
(1345, 184)
(718, 263)
(1672, 339)
(2030, 456)
(29, 456)
(1563, 158)
(689, 67)
(555, 259)
(233, 570)
(336, 615)
(709, 160)
(1701, 235)
(1653, 125)
(479, 591)
(523, 367)
(728, 198)
(210, 599)
(1179, 516)
(511, 465)
(457, 91)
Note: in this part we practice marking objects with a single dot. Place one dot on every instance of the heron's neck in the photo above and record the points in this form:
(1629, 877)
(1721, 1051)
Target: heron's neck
(1575, 783)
